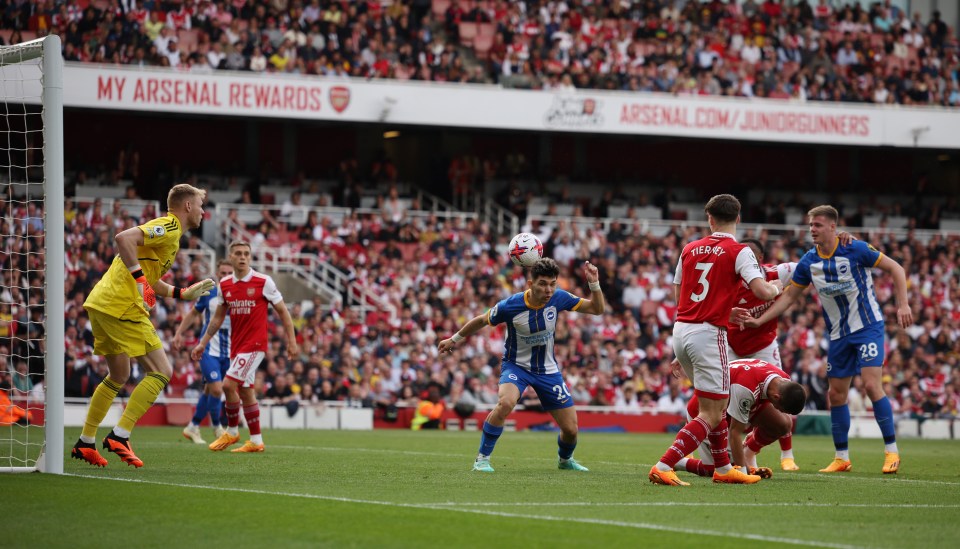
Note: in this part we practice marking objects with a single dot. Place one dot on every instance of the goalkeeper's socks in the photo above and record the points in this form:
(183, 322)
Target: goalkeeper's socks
(142, 398)
(100, 404)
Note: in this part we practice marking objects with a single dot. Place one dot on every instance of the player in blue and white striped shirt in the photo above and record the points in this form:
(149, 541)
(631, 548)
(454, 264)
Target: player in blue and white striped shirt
(215, 359)
(528, 358)
(841, 276)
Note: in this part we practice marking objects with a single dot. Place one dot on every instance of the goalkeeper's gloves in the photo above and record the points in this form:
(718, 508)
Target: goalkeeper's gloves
(146, 292)
(194, 291)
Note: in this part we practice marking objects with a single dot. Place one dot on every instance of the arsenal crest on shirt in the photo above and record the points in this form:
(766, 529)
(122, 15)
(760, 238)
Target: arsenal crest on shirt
(251, 291)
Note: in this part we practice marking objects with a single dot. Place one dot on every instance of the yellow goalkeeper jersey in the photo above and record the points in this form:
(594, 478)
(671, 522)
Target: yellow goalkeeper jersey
(116, 293)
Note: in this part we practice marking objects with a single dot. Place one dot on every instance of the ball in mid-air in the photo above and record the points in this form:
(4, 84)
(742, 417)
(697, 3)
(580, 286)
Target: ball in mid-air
(525, 249)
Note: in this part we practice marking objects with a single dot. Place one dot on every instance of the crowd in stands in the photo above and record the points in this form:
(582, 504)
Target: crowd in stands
(820, 50)
(437, 274)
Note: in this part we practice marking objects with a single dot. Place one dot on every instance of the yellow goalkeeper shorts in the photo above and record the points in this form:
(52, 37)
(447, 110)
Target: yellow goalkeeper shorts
(112, 336)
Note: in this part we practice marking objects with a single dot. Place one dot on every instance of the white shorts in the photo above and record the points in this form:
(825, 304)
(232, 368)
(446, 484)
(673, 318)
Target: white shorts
(702, 351)
(770, 354)
(243, 367)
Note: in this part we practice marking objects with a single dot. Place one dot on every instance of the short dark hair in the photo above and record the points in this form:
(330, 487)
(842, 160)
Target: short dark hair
(544, 267)
(758, 245)
(793, 397)
(725, 208)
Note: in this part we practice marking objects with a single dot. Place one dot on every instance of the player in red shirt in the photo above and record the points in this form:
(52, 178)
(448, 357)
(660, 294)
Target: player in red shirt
(762, 396)
(708, 273)
(246, 294)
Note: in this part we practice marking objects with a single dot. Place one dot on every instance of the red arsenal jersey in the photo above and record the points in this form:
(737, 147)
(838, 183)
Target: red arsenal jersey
(247, 300)
(709, 273)
(749, 379)
(747, 341)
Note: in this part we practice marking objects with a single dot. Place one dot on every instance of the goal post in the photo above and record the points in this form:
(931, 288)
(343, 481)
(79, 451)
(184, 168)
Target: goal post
(32, 174)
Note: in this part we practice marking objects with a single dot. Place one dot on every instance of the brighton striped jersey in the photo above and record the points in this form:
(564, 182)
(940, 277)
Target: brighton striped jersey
(844, 283)
(219, 345)
(529, 340)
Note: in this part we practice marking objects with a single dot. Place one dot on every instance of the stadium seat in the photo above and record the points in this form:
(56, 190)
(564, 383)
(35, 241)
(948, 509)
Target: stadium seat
(452, 424)
(468, 32)
(188, 39)
(470, 424)
(482, 45)
(440, 7)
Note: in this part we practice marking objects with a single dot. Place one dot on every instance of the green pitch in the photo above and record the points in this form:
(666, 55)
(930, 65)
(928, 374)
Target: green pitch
(407, 489)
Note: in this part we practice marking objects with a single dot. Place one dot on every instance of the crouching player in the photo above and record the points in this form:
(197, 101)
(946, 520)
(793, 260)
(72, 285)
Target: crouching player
(762, 396)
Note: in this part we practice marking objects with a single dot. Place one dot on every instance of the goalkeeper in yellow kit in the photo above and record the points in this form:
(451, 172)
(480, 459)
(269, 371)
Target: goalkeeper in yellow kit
(119, 309)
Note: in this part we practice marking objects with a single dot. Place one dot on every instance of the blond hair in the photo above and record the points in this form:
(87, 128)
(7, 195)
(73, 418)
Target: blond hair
(181, 193)
(236, 243)
(825, 210)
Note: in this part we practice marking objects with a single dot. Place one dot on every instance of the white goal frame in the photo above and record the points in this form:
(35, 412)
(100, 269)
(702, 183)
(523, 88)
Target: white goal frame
(48, 50)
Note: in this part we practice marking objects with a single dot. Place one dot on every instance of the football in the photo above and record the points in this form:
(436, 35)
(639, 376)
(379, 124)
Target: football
(525, 249)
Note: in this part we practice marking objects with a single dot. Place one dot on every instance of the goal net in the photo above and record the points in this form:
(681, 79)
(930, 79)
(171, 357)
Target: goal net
(31, 257)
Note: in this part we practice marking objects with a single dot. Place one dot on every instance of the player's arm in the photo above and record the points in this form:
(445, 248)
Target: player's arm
(188, 321)
(737, 429)
(764, 290)
(215, 322)
(596, 304)
(127, 242)
(293, 348)
(904, 314)
(787, 299)
(472, 326)
(189, 293)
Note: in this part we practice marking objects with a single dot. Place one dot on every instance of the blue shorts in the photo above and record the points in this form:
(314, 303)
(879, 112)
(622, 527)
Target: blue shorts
(214, 367)
(861, 349)
(552, 390)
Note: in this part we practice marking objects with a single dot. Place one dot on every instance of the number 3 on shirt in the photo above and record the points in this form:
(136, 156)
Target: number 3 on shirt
(705, 268)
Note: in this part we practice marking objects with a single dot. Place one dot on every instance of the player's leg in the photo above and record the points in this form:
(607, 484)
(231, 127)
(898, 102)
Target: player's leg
(100, 402)
(158, 369)
(687, 348)
(883, 412)
(215, 406)
(232, 410)
(513, 382)
(555, 398)
(251, 413)
(842, 365)
(242, 371)
(210, 370)
(770, 425)
(222, 420)
(840, 422)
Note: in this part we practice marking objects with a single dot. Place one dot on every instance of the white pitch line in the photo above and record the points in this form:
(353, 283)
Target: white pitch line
(602, 522)
(691, 504)
(641, 466)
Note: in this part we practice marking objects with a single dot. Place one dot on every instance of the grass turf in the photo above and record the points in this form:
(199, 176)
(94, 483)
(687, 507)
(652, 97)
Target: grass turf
(416, 489)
